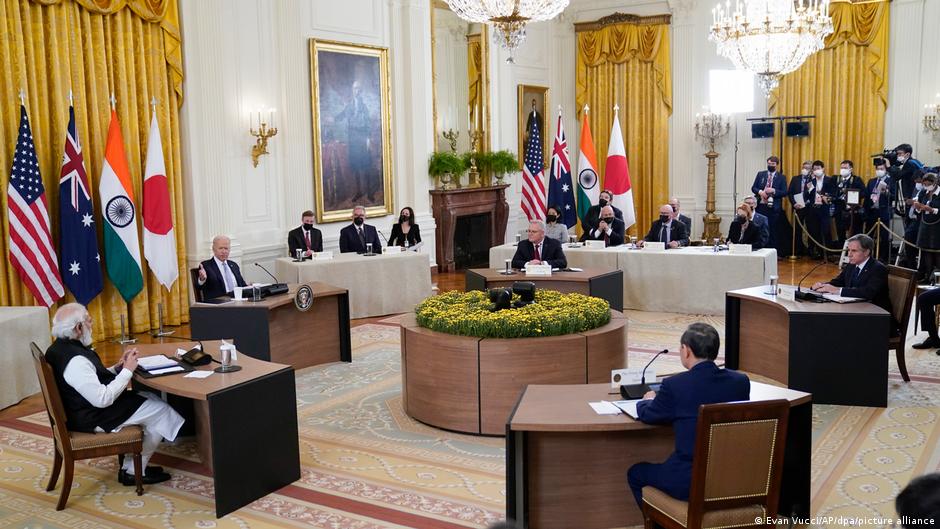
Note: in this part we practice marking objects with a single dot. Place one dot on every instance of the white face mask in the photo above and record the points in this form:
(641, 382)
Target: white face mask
(918, 186)
(818, 172)
(879, 173)
(845, 172)
(902, 159)
(804, 172)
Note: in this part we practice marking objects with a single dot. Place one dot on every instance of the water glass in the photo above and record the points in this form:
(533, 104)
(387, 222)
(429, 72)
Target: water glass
(716, 240)
(633, 241)
(299, 254)
(936, 278)
(255, 293)
(508, 267)
(518, 238)
(226, 354)
(772, 287)
(368, 248)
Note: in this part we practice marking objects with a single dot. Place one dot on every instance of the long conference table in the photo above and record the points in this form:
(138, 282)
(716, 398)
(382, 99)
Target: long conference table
(690, 280)
(380, 284)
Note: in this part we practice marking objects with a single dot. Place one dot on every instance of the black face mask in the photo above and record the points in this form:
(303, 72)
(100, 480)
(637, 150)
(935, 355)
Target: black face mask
(403, 219)
(771, 168)
(608, 220)
(358, 221)
(602, 202)
(664, 218)
(740, 218)
(308, 227)
(551, 218)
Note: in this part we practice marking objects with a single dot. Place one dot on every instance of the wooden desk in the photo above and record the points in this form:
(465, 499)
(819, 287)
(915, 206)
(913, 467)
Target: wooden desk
(602, 283)
(273, 329)
(567, 466)
(837, 352)
(246, 424)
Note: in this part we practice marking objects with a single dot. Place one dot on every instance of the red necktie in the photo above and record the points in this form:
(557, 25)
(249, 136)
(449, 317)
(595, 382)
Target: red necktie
(770, 179)
(538, 252)
(307, 237)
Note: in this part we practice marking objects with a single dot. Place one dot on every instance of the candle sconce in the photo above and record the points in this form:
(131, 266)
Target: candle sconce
(263, 132)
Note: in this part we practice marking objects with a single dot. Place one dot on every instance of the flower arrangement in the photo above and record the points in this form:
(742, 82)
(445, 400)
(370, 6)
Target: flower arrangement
(552, 314)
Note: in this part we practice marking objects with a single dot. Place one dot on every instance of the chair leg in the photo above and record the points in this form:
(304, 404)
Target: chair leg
(902, 366)
(56, 467)
(66, 483)
(139, 473)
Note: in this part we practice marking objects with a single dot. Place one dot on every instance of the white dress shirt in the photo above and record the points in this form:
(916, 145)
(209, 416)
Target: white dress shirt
(80, 374)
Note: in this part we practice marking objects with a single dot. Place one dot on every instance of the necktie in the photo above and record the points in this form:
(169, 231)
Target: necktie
(538, 251)
(770, 179)
(307, 237)
(858, 272)
(606, 239)
(362, 239)
(228, 277)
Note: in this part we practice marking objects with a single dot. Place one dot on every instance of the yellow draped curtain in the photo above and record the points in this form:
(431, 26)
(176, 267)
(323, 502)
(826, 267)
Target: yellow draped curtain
(845, 86)
(628, 64)
(93, 48)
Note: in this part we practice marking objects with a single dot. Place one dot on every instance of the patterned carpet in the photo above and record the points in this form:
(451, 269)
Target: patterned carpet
(367, 465)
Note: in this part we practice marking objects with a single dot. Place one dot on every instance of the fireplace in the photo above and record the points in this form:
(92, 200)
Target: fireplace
(482, 210)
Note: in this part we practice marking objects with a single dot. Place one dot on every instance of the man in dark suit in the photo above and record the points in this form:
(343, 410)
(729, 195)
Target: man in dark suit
(847, 215)
(863, 277)
(667, 230)
(592, 216)
(770, 187)
(818, 194)
(356, 236)
(797, 184)
(539, 249)
(305, 237)
(674, 203)
(761, 221)
(610, 229)
(877, 207)
(219, 276)
(677, 403)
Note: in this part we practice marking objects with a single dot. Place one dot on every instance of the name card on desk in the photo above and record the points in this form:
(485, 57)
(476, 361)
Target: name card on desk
(735, 249)
(391, 249)
(538, 270)
(597, 245)
(630, 375)
(786, 293)
(574, 245)
(322, 256)
(655, 246)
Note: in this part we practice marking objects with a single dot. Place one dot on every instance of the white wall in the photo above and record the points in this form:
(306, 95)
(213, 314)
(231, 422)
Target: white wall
(241, 54)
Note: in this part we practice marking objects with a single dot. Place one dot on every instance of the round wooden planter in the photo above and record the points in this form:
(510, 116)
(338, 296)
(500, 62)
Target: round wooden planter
(471, 384)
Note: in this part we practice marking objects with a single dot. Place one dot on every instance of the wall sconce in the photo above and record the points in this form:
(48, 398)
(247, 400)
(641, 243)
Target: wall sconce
(263, 132)
(932, 117)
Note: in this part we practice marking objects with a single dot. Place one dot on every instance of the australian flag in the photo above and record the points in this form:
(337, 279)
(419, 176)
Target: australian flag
(560, 191)
(80, 261)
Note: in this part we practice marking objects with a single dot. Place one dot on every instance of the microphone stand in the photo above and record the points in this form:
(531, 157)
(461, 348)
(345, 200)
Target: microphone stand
(808, 296)
(636, 391)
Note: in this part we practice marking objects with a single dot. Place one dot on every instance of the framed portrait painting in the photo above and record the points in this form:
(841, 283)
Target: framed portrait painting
(352, 142)
(533, 110)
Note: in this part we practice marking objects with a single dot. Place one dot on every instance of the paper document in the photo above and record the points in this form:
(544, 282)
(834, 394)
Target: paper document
(165, 370)
(573, 269)
(197, 374)
(629, 406)
(150, 363)
(605, 408)
(841, 299)
(798, 198)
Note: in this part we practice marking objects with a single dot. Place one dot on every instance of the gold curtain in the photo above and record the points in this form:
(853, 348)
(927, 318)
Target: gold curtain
(845, 87)
(628, 64)
(94, 48)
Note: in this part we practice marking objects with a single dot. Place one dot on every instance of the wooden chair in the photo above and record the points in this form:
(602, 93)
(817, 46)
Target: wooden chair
(902, 286)
(736, 470)
(73, 446)
(194, 277)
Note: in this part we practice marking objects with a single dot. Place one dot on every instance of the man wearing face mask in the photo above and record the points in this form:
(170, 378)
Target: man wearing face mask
(927, 205)
(770, 186)
(798, 203)
(356, 236)
(674, 202)
(904, 174)
(667, 230)
(305, 237)
(877, 207)
(847, 215)
(817, 193)
(610, 229)
(593, 214)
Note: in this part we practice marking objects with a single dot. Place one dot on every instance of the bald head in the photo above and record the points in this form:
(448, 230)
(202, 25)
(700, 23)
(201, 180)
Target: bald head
(665, 209)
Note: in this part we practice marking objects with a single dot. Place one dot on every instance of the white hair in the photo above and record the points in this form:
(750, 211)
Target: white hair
(538, 222)
(66, 318)
(359, 206)
(219, 238)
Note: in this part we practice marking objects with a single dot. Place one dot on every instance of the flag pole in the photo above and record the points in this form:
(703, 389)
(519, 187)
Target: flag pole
(22, 97)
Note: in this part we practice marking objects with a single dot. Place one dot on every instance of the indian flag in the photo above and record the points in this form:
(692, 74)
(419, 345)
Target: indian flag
(121, 242)
(159, 238)
(588, 183)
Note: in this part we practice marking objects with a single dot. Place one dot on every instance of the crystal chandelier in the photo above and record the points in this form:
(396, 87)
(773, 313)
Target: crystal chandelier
(770, 37)
(507, 17)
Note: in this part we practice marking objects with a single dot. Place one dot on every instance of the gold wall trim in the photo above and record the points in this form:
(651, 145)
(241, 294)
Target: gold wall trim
(622, 18)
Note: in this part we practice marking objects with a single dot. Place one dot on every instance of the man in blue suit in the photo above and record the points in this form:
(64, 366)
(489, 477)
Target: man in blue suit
(770, 187)
(219, 276)
(353, 238)
(677, 402)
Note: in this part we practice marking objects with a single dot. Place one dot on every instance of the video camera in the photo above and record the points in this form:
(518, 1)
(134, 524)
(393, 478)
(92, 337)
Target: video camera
(888, 154)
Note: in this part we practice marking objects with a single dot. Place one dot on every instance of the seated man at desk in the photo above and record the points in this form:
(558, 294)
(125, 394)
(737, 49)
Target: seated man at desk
(863, 277)
(677, 402)
(94, 396)
(304, 237)
(667, 230)
(609, 229)
(219, 276)
(539, 249)
(356, 236)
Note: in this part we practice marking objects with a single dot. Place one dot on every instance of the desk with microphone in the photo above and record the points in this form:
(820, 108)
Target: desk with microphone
(810, 295)
(274, 289)
(636, 391)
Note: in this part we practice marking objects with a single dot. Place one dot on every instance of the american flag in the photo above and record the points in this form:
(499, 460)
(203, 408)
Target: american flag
(533, 188)
(31, 250)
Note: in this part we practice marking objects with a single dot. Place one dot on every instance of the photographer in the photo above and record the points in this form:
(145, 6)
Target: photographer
(927, 205)
(816, 194)
(905, 172)
(878, 207)
(847, 212)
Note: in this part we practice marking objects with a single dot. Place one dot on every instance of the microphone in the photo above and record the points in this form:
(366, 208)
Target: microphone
(383, 236)
(808, 296)
(276, 288)
(636, 391)
(267, 272)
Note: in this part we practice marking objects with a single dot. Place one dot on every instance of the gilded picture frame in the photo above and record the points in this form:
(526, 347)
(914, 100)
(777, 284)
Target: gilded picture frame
(352, 129)
(524, 109)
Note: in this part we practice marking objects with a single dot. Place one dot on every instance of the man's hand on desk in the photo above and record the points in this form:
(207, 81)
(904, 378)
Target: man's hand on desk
(129, 360)
(826, 288)
(535, 262)
(650, 395)
(673, 244)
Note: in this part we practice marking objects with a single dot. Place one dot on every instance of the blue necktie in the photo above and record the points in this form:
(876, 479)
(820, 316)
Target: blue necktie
(858, 272)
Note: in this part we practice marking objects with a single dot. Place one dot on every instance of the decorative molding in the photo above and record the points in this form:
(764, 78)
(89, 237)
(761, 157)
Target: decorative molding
(622, 18)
